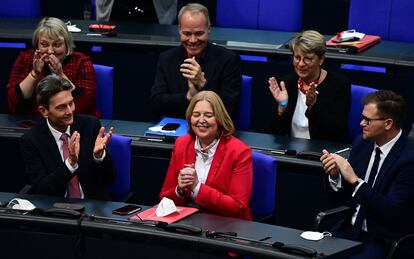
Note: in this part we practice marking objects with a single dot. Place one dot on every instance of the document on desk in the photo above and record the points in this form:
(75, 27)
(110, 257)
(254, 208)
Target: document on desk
(150, 214)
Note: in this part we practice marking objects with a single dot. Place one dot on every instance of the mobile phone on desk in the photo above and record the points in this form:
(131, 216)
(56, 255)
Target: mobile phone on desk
(127, 209)
(171, 126)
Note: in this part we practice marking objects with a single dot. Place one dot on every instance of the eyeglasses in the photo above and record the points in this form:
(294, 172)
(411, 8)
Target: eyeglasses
(306, 60)
(367, 120)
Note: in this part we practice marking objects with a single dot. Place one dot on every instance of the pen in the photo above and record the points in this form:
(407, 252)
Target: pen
(342, 150)
(93, 34)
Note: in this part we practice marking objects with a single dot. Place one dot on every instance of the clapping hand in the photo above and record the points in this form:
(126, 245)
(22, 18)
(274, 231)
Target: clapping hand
(278, 91)
(311, 95)
(101, 142)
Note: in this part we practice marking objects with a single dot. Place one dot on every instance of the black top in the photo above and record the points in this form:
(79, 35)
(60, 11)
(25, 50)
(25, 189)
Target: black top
(328, 118)
(222, 69)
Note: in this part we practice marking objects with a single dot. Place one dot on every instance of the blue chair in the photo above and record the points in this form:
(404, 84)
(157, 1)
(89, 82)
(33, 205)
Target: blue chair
(402, 14)
(243, 116)
(237, 14)
(20, 8)
(288, 18)
(263, 198)
(370, 17)
(354, 118)
(120, 148)
(104, 90)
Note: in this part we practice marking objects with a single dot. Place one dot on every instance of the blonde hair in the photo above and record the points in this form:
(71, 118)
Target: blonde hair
(309, 41)
(224, 122)
(54, 28)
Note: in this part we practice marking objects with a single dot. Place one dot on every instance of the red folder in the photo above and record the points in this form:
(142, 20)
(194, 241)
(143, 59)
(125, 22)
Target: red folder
(353, 47)
(149, 214)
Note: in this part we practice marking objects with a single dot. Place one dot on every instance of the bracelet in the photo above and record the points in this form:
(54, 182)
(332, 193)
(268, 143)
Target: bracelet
(284, 103)
(32, 76)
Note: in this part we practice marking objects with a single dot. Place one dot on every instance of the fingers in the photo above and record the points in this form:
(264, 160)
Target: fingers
(283, 86)
(108, 136)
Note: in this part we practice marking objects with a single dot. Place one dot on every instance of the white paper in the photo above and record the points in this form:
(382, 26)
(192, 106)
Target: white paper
(165, 207)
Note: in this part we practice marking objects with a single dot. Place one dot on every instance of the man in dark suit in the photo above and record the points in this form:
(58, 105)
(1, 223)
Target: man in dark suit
(194, 66)
(379, 177)
(65, 154)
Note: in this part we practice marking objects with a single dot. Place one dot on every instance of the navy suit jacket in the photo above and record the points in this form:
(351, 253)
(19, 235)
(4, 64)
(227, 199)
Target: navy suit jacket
(389, 203)
(222, 69)
(49, 175)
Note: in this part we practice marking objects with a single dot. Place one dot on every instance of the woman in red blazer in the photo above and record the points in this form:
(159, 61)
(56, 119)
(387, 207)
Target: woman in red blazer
(209, 167)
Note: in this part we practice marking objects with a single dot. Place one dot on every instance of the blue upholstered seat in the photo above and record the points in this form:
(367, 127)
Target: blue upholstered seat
(276, 15)
(20, 8)
(120, 148)
(354, 118)
(243, 116)
(104, 90)
(263, 198)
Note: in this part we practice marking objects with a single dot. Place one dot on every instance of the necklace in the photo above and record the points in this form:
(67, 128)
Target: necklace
(301, 83)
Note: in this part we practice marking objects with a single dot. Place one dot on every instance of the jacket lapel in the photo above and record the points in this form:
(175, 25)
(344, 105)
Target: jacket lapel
(389, 161)
(49, 142)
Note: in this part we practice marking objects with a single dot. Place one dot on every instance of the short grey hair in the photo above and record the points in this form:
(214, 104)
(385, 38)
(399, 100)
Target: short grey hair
(53, 28)
(194, 8)
(309, 41)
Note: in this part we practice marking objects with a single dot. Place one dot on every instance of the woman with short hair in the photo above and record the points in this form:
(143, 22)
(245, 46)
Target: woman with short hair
(53, 54)
(312, 103)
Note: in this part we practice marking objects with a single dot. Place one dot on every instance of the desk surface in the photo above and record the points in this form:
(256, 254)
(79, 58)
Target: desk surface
(259, 42)
(329, 246)
(262, 142)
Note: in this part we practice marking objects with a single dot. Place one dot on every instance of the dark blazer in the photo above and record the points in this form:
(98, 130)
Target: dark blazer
(49, 175)
(328, 118)
(229, 182)
(222, 69)
(389, 212)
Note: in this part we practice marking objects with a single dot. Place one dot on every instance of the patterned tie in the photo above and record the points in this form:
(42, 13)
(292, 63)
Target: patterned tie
(362, 210)
(73, 186)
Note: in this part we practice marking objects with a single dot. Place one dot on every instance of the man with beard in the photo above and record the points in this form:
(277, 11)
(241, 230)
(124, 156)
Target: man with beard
(194, 66)
(65, 154)
(378, 177)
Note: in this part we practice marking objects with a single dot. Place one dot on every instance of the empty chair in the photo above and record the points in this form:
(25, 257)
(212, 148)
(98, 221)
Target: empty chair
(20, 8)
(120, 148)
(243, 116)
(104, 90)
(354, 118)
(263, 198)
(402, 14)
(237, 14)
(364, 17)
(288, 18)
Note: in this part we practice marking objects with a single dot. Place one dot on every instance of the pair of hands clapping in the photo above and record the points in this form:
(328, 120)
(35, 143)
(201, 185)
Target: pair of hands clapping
(187, 178)
(101, 143)
(334, 165)
(280, 93)
(191, 70)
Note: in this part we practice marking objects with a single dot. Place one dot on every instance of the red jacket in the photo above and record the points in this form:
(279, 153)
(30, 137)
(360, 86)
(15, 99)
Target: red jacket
(229, 182)
(77, 67)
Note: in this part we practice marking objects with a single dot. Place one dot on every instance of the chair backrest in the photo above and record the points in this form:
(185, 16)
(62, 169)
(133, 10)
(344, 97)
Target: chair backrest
(237, 14)
(370, 17)
(288, 18)
(20, 8)
(263, 198)
(260, 14)
(243, 115)
(402, 14)
(354, 118)
(104, 90)
(120, 148)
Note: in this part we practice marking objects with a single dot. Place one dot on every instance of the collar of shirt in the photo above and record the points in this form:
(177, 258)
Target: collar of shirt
(386, 148)
(56, 134)
(210, 151)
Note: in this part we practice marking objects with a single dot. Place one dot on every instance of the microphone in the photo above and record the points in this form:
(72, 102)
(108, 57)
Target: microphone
(289, 152)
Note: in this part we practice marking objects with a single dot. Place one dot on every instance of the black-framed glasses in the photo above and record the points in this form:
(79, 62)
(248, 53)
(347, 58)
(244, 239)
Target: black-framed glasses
(367, 120)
